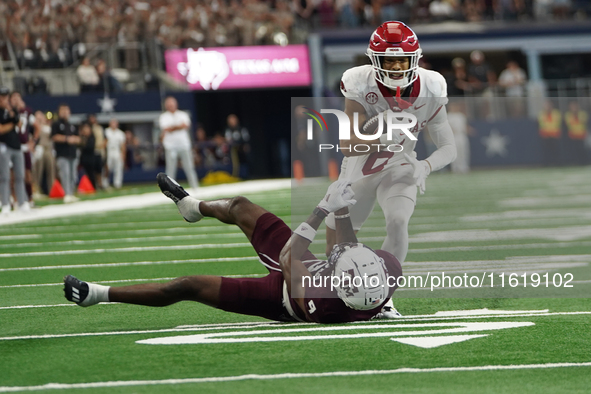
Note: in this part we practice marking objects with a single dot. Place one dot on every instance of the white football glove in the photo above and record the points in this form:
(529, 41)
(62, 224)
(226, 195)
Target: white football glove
(421, 168)
(339, 195)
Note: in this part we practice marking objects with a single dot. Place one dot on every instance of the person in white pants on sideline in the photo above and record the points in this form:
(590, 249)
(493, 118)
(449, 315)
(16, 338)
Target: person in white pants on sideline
(115, 143)
(461, 129)
(174, 125)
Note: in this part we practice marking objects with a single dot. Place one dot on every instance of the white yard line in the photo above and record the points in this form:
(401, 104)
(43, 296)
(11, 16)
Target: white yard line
(127, 264)
(120, 250)
(51, 232)
(392, 322)
(22, 236)
(128, 383)
(142, 200)
(124, 240)
(571, 233)
(545, 245)
(122, 281)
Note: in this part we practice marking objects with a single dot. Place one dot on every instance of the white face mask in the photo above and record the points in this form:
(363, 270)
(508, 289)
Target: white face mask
(389, 82)
(382, 75)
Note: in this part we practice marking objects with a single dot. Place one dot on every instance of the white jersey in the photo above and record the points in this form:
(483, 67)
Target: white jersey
(428, 96)
(115, 141)
(178, 139)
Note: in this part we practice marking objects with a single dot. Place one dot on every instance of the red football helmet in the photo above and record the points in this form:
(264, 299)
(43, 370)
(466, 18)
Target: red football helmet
(394, 39)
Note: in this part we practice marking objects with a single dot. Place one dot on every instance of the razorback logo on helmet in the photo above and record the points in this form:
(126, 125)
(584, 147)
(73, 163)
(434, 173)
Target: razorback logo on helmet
(394, 39)
(343, 86)
(371, 98)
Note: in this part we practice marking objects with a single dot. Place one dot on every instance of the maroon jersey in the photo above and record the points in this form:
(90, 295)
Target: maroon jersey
(267, 296)
(323, 304)
(27, 120)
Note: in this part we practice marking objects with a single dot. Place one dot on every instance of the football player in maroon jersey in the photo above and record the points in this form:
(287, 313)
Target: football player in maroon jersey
(288, 292)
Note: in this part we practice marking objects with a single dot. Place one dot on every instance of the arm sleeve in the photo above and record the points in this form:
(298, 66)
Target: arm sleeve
(442, 135)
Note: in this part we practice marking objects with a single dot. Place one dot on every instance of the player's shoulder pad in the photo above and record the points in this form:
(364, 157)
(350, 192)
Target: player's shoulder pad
(355, 79)
(435, 82)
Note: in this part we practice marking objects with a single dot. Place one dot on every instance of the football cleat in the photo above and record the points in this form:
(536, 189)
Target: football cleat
(188, 207)
(390, 312)
(75, 290)
(170, 188)
(387, 312)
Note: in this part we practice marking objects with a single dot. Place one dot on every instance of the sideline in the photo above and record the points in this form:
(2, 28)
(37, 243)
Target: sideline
(141, 201)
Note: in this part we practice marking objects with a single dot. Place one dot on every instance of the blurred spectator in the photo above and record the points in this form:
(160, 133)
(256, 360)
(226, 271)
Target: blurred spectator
(221, 149)
(304, 150)
(115, 140)
(65, 141)
(99, 150)
(44, 163)
(549, 122)
(25, 131)
(459, 125)
(203, 156)
(87, 157)
(542, 9)
(10, 152)
(442, 10)
(576, 121)
(458, 84)
(87, 76)
(480, 74)
(513, 79)
(561, 9)
(482, 79)
(239, 139)
(420, 12)
(174, 126)
(129, 32)
(507, 9)
(472, 10)
(133, 155)
(348, 12)
(44, 33)
(107, 82)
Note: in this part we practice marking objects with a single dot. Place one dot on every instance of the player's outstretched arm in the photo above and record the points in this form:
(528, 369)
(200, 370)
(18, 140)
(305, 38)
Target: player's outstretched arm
(338, 196)
(344, 227)
(443, 137)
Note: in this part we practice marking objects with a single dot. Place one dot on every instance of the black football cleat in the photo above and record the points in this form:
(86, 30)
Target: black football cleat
(75, 290)
(170, 188)
(188, 207)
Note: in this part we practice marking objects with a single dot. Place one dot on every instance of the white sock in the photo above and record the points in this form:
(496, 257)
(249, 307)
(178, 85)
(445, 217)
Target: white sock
(96, 294)
(189, 208)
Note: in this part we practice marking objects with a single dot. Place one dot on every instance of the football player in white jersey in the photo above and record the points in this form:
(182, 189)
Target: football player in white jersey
(394, 81)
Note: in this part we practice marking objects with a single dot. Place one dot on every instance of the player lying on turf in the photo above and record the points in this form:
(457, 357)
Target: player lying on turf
(288, 292)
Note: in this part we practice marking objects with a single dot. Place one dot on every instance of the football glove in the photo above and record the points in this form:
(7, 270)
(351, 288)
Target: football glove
(339, 195)
(422, 169)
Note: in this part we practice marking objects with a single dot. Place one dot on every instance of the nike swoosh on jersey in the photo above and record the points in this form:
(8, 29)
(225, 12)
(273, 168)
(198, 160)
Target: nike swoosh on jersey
(420, 106)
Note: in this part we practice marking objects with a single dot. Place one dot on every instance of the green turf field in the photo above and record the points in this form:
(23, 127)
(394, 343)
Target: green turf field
(532, 221)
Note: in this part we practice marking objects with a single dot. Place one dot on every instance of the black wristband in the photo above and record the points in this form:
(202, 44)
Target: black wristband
(321, 213)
